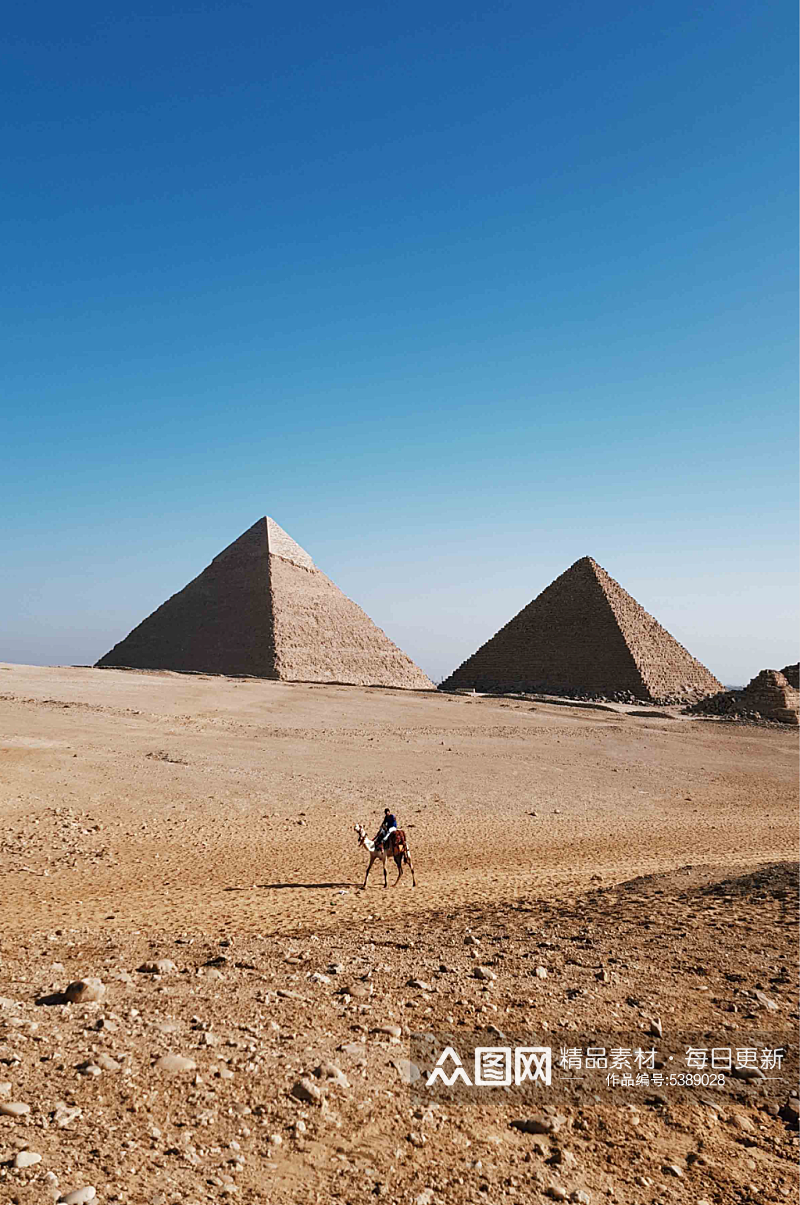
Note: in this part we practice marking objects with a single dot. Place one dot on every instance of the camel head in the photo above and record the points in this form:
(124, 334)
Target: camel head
(362, 833)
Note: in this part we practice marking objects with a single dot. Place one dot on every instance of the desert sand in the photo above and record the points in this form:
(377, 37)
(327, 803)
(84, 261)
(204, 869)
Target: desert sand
(641, 858)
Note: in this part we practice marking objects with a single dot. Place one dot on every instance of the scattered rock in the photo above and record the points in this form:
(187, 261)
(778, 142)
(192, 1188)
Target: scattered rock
(64, 1114)
(392, 1031)
(78, 1196)
(541, 972)
(484, 973)
(162, 966)
(356, 1050)
(409, 1072)
(538, 1124)
(329, 1071)
(26, 1159)
(748, 1073)
(175, 1063)
(672, 1169)
(421, 985)
(307, 1091)
(10, 1108)
(85, 991)
(106, 1063)
(765, 1002)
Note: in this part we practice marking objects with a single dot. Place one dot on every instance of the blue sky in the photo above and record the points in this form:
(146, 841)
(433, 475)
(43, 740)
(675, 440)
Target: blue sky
(456, 294)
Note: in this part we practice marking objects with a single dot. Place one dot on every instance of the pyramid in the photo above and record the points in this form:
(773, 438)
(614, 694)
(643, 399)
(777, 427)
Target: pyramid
(263, 608)
(585, 635)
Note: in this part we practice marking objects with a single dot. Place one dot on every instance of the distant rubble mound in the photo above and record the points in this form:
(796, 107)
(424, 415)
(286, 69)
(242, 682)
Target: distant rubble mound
(585, 637)
(262, 608)
(771, 695)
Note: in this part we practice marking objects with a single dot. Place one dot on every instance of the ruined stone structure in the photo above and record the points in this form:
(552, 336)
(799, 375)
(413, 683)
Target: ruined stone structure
(769, 696)
(263, 608)
(792, 674)
(585, 636)
(773, 697)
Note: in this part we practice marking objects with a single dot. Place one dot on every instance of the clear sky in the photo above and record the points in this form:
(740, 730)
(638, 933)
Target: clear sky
(456, 293)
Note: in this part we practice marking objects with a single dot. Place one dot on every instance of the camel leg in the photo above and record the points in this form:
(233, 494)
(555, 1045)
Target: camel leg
(399, 864)
(385, 880)
(411, 868)
(366, 876)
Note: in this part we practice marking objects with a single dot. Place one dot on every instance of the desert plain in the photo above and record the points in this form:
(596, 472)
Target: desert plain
(585, 876)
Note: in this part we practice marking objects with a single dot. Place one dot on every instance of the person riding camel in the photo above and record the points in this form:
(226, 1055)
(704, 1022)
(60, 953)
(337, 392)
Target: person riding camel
(388, 826)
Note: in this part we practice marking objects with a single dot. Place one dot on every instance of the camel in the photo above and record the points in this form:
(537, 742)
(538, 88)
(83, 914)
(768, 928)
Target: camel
(399, 851)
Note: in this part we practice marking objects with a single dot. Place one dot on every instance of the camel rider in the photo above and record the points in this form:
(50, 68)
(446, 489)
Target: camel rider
(388, 826)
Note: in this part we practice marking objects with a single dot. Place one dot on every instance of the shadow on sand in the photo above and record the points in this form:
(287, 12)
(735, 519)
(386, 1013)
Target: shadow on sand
(295, 886)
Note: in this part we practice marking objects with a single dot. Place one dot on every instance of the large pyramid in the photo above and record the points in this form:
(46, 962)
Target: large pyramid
(585, 635)
(263, 608)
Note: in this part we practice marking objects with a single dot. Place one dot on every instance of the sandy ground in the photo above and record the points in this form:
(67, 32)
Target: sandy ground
(159, 815)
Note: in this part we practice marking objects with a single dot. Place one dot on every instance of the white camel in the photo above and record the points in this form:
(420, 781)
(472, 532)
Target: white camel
(398, 851)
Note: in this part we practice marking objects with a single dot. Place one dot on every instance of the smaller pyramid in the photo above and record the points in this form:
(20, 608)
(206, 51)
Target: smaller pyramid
(262, 608)
(771, 695)
(585, 636)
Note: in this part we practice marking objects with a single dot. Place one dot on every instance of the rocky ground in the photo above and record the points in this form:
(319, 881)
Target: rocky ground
(191, 1014)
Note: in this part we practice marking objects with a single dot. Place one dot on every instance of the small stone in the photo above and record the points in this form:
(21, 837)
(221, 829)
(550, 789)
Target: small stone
(88, 1068)
(356, 1050)
(27, 1159)
(5, 1088)
(484, 973)
(10, 1108)
(424, 1198)
(421, 985)
(471, 940)
(541, 972)
(557, 1193)
(744, 1123)
(286, 993)
(765, 1002)
(409, 1072)
(63, 1114)
(161, 966)
(276, 1140)
(392, 1031)
(85, 991)
(174, 1063)
(106, 1063)
(78, 1196)
(656, 1028)
(306, 1090)
(672, 1169)
(329, 1071)
(536, 1125)
(581, 1197)
(319, 978)
(748, 1073)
